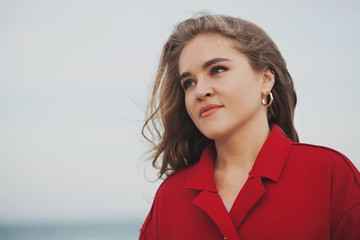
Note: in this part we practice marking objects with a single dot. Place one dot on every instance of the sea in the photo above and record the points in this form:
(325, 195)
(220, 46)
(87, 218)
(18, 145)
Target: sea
(124, 230)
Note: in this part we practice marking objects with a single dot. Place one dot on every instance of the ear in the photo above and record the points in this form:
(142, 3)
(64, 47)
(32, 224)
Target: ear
(268, 81)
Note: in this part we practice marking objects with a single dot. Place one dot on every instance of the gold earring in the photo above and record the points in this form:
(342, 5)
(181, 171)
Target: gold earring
(264, 101)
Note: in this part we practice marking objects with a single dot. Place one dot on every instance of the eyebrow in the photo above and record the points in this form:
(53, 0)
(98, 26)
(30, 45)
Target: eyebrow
(205, 65)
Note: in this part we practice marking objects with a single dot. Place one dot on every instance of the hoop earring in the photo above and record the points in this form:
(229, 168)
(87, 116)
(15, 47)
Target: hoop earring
(263, 101)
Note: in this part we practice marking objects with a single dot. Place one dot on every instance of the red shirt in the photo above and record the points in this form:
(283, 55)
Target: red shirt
(294, 191)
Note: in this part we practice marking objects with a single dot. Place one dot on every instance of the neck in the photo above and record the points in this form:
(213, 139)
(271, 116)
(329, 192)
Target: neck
(240, 150)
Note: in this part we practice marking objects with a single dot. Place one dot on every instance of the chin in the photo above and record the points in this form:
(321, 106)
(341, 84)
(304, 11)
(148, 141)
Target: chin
(214, 135)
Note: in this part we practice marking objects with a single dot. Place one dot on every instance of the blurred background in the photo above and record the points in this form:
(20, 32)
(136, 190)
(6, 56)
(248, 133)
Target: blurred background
(75, 77)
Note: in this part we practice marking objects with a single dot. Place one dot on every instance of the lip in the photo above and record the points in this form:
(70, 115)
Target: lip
(209, 110)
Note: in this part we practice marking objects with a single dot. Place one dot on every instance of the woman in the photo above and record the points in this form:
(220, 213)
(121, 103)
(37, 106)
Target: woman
(223, 108)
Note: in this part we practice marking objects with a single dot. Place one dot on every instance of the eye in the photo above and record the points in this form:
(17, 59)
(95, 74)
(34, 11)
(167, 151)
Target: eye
(218, 69)
(187, 83)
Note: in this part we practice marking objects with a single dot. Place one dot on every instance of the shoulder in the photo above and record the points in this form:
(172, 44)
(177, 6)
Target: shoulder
(317, 150)
(325, 158)
(340, 180)
(174, 182)
(170, 191)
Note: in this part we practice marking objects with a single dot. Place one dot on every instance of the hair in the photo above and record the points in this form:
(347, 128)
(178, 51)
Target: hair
(175, 139)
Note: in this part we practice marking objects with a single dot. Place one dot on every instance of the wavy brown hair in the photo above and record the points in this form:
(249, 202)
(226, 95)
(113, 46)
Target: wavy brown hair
(176, 140)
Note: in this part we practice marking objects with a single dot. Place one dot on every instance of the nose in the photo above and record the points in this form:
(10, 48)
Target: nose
(203, 89)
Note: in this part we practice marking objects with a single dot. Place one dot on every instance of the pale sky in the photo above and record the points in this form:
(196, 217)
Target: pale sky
(75, 77)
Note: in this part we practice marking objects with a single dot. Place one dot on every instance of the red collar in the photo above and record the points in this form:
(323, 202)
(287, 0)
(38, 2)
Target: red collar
(268, 164)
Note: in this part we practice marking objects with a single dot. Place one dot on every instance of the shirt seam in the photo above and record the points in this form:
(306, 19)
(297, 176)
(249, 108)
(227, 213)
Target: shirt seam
(339, 154)
(345, 212)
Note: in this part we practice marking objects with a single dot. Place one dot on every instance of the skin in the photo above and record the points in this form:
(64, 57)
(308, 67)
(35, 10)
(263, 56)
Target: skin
(213, 72)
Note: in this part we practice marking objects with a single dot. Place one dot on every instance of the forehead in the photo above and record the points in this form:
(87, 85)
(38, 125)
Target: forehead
(204, 47)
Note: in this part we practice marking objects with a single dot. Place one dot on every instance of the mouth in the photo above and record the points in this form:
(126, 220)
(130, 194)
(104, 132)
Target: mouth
(209, 110)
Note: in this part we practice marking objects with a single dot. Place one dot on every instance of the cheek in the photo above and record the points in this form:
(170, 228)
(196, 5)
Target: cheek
(190, 107)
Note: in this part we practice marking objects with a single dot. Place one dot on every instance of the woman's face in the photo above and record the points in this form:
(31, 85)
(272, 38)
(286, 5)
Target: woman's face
(222, 91)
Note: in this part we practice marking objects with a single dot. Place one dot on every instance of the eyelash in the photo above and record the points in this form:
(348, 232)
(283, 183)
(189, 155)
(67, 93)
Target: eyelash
(185, 82)
(215, 70)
